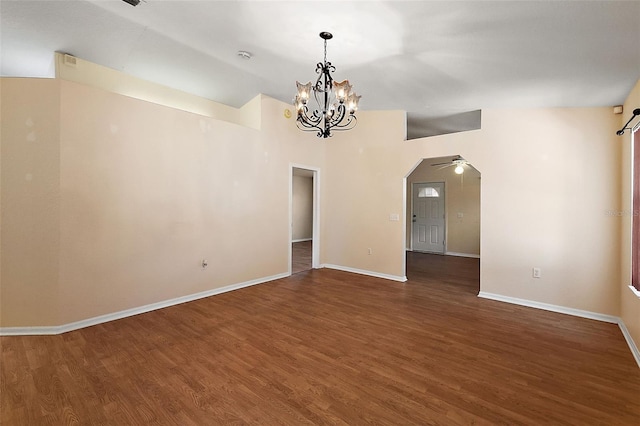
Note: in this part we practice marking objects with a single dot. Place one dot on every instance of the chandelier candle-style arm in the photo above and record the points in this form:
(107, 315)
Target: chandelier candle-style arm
(335, 102)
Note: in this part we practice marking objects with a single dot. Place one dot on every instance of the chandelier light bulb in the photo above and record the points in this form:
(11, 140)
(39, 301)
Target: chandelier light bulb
(304, 91)
(352, 102)
(342, 90)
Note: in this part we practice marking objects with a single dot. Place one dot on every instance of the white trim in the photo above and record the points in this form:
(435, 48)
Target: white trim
(632, 345)
(32, 331)
(404, 224)
(570, 311)
(549, 307)
(631, 190)
(365, 272)
(301, 240)
(315, 248)
(454, 253)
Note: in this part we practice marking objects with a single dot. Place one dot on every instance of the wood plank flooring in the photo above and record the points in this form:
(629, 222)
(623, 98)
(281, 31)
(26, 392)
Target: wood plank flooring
(329, 347)
(301, 256)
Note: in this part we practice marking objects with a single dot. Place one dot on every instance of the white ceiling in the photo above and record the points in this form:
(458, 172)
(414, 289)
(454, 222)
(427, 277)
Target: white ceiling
(434, 59)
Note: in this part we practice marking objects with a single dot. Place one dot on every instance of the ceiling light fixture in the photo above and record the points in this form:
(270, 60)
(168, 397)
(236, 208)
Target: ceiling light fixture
(336, 102)
(457, 161)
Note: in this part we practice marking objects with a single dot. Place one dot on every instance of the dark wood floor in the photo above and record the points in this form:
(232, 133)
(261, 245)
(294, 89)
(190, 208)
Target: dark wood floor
(329, 347)
(300, 256)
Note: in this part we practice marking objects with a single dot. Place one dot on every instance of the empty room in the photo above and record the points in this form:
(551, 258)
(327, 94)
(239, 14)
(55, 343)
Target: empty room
(319, 212)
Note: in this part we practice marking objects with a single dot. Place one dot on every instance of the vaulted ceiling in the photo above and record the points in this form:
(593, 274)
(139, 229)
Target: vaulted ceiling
(438, 60)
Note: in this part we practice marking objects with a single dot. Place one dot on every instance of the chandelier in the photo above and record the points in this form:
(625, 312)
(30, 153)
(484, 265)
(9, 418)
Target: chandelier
(336, 102)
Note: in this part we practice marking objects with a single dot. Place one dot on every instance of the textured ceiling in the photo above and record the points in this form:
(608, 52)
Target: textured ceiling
(438, 60)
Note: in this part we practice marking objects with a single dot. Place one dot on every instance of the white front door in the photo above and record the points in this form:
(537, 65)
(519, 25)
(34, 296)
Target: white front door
(427, 230)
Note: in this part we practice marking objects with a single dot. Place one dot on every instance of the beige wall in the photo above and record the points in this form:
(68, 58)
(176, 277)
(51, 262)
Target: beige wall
(630, 303)
(540, 170)
(302, 206)
(462, 195)
(360, 190)
(539, 202)
(30, 201)
(127, 197)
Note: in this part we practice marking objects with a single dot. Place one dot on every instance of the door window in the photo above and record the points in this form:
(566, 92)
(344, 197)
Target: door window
(428, 192)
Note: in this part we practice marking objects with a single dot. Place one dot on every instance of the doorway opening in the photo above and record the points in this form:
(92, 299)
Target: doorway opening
(443, 219)
(303, 213)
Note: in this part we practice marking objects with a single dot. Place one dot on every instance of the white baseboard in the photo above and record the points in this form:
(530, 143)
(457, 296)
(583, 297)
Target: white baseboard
(454, 253)
(630, 342)
(59, 329)
(570, 311)
(549, 307)
(365, 272)
(299, 240)
(52, 330)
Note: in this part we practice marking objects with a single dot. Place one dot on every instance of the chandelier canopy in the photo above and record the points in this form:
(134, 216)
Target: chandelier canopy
(336, 103)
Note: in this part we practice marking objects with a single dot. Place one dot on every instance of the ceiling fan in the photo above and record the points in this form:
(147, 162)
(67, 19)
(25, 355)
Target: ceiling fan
(456, 161)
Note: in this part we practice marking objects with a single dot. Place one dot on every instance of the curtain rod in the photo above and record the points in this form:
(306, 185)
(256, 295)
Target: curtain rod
(636, 112)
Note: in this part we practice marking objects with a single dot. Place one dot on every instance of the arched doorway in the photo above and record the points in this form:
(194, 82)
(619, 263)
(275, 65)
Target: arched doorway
(443, 221)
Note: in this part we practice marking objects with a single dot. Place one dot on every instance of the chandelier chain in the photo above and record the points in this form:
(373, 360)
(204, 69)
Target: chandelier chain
(325, 51)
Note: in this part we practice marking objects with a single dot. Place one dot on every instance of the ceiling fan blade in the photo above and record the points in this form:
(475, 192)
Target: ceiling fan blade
(450, 162)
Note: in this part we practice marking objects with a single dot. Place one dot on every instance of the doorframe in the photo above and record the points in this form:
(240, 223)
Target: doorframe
(315, 234)
(446, 222)
(405, 183)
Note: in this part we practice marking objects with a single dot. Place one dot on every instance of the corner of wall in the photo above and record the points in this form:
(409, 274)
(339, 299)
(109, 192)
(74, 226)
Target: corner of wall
(250, 114)
(629, 301)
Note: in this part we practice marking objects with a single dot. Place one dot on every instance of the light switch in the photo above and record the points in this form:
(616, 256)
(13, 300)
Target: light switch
(460, 214)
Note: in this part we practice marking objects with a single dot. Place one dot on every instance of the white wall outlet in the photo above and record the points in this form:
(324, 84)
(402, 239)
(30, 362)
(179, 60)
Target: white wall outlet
(369, 251)
(537, 273)
(394, 217)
